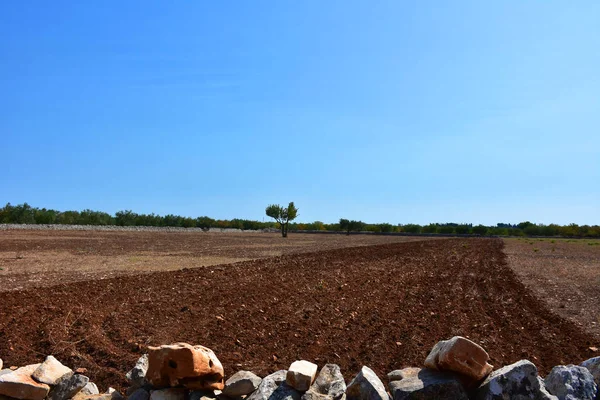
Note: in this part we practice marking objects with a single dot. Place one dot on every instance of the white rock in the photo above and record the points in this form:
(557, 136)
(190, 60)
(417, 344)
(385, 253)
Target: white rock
(50, 371)
(1, 363)
(90, 389)
(241, 383)
(571, 382)
(105, 396)
(301, 375)
(399, 374)
(366, 386)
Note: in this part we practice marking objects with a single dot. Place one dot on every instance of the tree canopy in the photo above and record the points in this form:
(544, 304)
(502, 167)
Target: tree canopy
(283, 215)
(351, 225)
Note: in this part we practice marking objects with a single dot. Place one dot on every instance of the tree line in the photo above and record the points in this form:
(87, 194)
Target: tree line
(501, 229)
(25, 214)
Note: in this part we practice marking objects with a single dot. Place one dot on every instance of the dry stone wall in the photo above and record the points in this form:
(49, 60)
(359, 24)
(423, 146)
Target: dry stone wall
(454, 369)
(60, 227)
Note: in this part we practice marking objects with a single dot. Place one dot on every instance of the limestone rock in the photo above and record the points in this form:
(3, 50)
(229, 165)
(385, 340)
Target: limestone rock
(285, 392)
(515, 381)
(241, 383)
(68, 386)
(90, 389)
(195, 367)
(140, 394)
(399, 374)
(593, 365)
(5, 371)
(366, 386)
(1, 363)
(168, 394)
(137, 375)
(329, 385)
(20, 385)
(460, 355)
(268, 385)
(104, 396)
(301, 375)
(418, 383)
(86, 396)
(50, 371)
(571, 382)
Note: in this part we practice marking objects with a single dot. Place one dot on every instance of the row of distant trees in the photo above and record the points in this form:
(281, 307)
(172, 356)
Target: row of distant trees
(25, 214)
(501, 229)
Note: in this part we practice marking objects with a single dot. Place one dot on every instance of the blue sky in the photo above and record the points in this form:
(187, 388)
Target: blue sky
(405, 112)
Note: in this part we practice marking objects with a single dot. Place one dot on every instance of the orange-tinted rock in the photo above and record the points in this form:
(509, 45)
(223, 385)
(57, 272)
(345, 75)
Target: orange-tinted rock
(460, 355)
(20, 385)
(180, 364)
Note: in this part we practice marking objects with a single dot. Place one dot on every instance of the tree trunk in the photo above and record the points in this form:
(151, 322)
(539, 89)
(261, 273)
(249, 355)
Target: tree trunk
(283, 233)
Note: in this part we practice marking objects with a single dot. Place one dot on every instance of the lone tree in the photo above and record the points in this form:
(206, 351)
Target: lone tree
(349, 226)
(283, 215)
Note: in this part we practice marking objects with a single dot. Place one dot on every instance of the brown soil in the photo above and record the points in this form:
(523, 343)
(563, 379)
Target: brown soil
(45, 258)
(383, 306)
(565, 273)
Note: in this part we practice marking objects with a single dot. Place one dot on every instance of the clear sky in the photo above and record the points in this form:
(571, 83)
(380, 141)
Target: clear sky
(395, 111)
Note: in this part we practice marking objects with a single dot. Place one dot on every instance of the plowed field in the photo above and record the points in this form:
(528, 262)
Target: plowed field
(563, 272)
(46, 257)
(383, 306)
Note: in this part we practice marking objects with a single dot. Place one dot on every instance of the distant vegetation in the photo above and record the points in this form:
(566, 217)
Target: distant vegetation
(352, 225)
(25, 214)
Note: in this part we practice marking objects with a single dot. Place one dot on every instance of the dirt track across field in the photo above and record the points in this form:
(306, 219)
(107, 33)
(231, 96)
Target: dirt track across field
(46, 257)
(383, 306)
